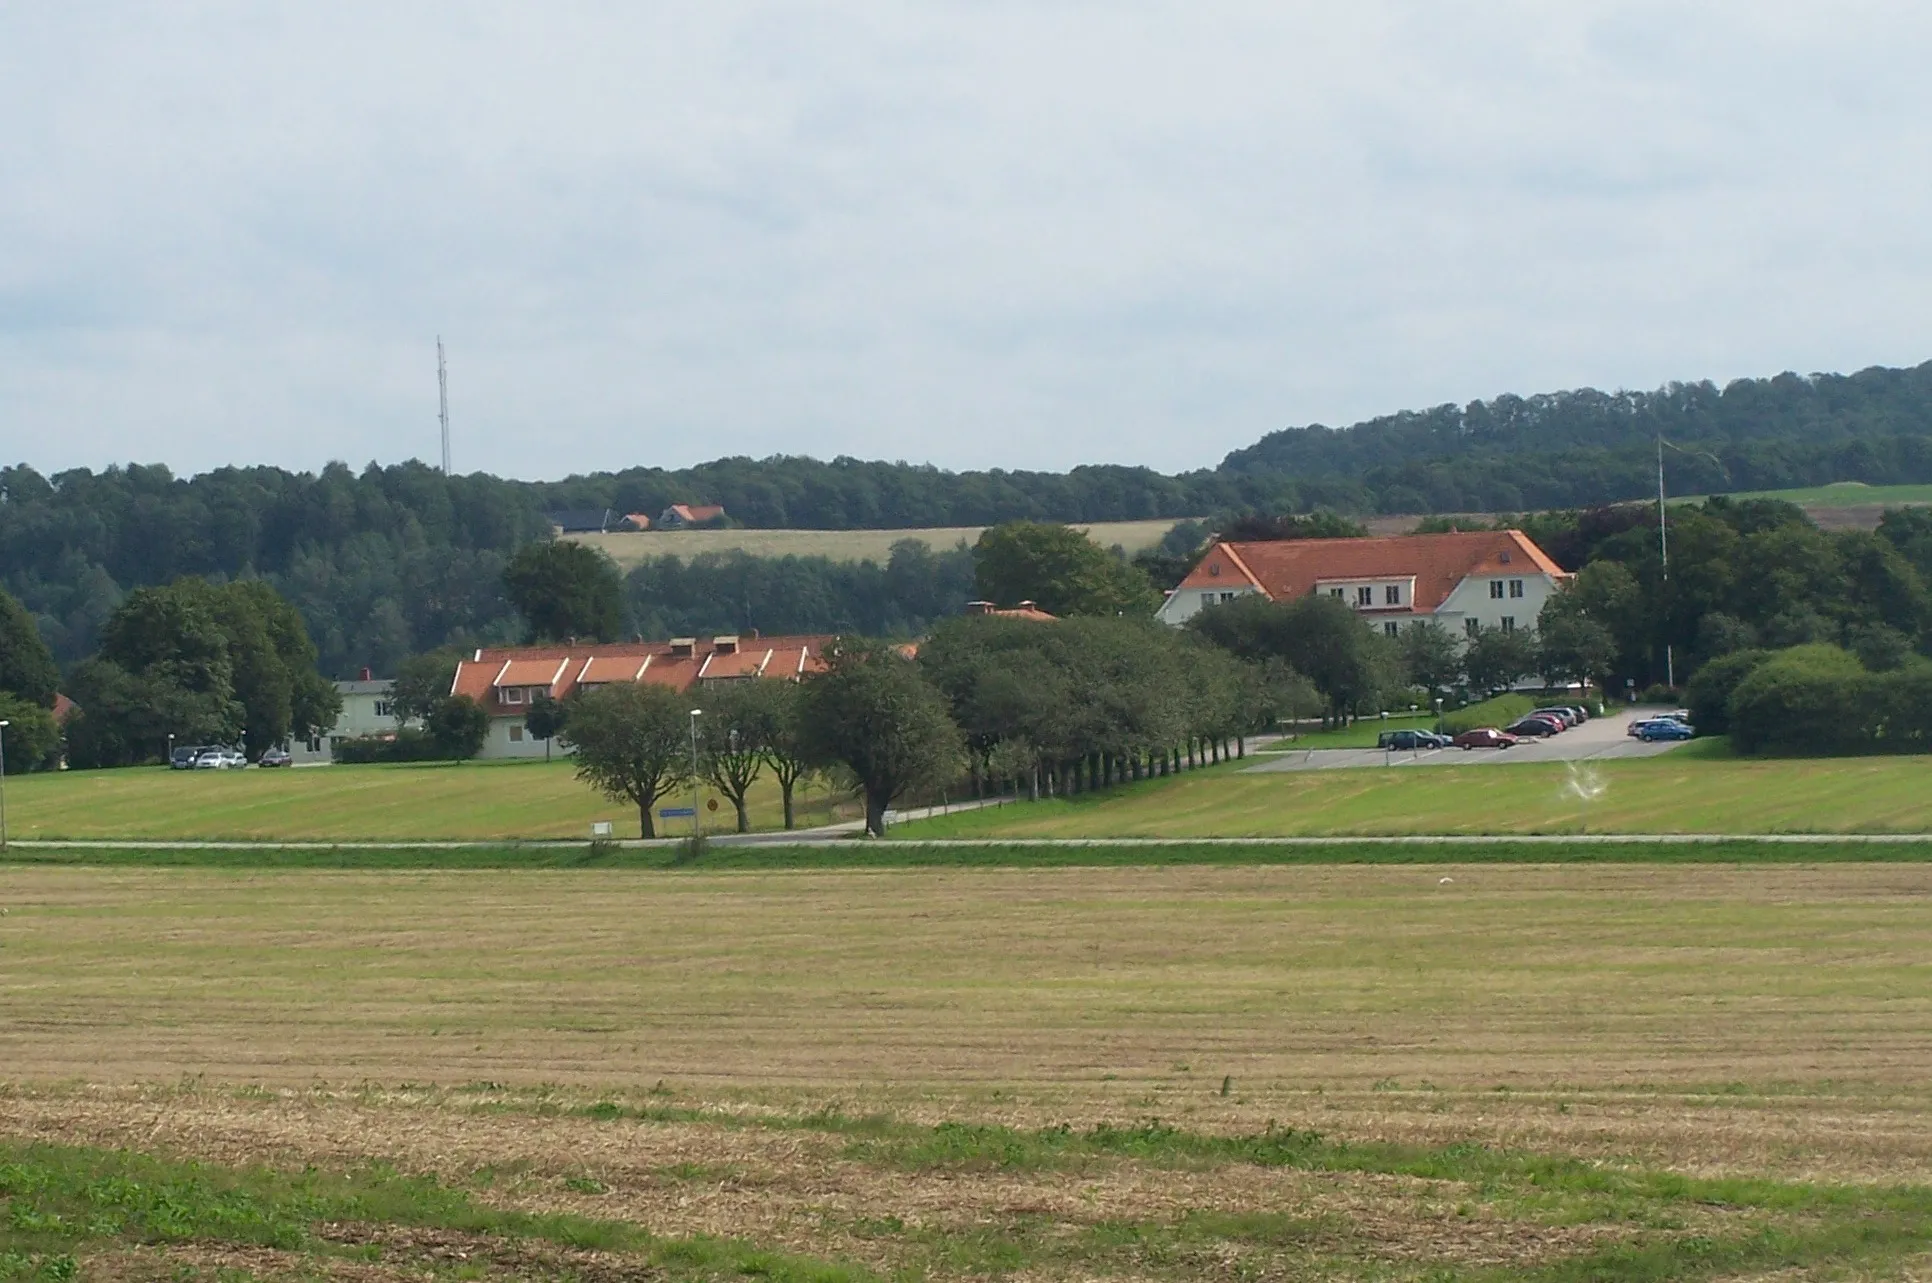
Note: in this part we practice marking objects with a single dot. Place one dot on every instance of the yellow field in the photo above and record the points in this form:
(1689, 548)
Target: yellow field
(628, 549)
(692, 1059)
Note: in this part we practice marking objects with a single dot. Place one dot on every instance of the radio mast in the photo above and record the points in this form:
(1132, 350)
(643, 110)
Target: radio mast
(442, 398)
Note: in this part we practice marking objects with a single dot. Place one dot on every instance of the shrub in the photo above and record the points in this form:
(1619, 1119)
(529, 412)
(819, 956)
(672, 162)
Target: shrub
(1709, 693)
(1903, 699)
(1807, 698)
(407, 745)
(1658, 693)
(1499, 710)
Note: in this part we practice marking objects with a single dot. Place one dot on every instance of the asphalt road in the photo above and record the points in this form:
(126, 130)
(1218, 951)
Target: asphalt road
(1599, 739)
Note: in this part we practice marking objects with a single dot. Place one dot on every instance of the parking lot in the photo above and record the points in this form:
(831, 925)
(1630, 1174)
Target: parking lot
(1599, 739)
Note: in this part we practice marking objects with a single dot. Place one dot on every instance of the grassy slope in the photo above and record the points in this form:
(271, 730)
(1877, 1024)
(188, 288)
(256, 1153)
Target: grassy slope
(1840, 494)
(346, 803)
(839, 545)
(1690, 791)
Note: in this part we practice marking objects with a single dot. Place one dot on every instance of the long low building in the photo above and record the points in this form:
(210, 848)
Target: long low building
(507, 680)
(1465, 581)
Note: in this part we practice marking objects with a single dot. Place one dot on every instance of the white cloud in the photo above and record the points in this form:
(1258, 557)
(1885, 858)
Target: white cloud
(982, 234)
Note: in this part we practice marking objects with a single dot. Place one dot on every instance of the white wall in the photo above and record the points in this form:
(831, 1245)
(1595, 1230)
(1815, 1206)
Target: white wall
(1471, 600)
(1185, 603)
(499, 744)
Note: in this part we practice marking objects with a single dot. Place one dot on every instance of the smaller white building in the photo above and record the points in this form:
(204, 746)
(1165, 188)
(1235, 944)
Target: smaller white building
(367, 709)
(1464, 581)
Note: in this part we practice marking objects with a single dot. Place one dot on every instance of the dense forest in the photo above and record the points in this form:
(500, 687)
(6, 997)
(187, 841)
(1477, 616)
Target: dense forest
(394, 560)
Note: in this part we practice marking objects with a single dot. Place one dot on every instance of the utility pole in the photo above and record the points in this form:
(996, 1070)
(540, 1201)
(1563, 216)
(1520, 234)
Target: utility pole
(443, 404)
(1663, 552)
(697, 816)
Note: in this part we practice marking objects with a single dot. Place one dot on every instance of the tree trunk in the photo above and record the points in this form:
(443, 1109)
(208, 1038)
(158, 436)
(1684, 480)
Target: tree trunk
(875, 809)
(1241, 747)
(785, 788)
(744, 820)
(1033, 785)
(645, 828)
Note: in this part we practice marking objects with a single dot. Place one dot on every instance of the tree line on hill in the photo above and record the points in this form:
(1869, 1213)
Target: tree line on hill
(394, 561)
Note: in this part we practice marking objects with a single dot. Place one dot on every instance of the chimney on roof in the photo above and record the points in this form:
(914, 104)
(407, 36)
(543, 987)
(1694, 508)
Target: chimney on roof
(368, 676)
(979, 607)
(570, 641)
(755, 634)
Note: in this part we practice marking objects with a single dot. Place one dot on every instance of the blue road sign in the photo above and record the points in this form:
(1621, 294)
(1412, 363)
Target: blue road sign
(676, 813)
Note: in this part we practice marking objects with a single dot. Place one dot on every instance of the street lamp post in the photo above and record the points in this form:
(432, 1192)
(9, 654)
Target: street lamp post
(697, 816)
(3, 784)
(170, 762)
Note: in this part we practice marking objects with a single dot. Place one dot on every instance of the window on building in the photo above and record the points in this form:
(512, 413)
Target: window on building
(315, 743)
(1365, 596)
(1496, 588)
(1509, 623)
(1471, 627)
(1516, 588)
(516, 735)
(1392, 595)
(1227, 596)
(1334, 592)
(1390, 627)
(1207, 599)
(513, 694)
(385, 709)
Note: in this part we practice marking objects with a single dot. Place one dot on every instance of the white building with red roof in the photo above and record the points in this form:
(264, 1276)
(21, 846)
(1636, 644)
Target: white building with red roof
(1464, 581)
(507, 680)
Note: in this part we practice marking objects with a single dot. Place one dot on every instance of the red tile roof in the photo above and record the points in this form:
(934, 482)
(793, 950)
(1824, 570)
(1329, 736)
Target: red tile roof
(561, 669)
(1025, 610)
(1437, 563)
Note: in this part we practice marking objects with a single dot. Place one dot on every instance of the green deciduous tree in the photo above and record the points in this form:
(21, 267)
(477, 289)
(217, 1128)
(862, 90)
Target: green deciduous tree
(26, 665)
(633, 744)
(566, 590)
(872, 712)
(1061, 569)
(457, 726)
(1431, 656)
(545, 721)
(1496, 660)
(423, 681)
(1320, 637)
(32, 737)
(744, 727)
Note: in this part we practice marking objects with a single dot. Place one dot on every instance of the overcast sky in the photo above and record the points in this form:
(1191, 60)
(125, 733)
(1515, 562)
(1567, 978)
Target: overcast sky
(976, 234)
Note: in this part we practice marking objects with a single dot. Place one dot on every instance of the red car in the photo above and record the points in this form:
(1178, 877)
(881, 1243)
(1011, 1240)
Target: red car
(1484, 737)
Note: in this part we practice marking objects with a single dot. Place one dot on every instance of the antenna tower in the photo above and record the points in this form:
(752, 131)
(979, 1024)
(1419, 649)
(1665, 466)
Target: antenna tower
(442, 398)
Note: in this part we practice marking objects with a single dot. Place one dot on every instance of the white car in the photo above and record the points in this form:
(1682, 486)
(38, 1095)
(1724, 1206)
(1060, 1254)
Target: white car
(220, 759)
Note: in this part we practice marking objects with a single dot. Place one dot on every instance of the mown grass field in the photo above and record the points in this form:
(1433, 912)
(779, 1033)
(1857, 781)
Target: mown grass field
(628, 549)
(1611, 1073)
(1691, 790)
(428, 801)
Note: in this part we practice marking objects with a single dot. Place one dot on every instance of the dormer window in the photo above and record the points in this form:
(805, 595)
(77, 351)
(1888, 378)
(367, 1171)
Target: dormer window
(513, 694)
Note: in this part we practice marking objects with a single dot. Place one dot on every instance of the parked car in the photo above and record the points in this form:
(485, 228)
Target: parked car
(275, 757)
(1407, 741)
(220, 759)
(1664, 728)
(1484, 737)
(1534, 726)
(183, 758)
(1563, 716)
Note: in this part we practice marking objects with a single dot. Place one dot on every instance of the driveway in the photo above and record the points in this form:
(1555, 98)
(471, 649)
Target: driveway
(1599, 739)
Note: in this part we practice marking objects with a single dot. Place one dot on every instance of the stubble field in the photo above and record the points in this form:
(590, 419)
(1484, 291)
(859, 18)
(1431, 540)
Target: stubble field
(1521, 1071)
(630, 548)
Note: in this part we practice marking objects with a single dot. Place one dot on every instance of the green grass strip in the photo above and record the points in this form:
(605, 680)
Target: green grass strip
(55, 1200)
(992, 854)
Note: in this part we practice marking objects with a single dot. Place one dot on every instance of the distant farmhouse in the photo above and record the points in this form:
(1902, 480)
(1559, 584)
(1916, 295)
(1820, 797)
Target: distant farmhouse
(682, 516)
(506, 680)
(582, 521)
(1465, 581)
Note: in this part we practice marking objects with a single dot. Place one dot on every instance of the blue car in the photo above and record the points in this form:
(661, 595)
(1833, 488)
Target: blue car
(1663, 728)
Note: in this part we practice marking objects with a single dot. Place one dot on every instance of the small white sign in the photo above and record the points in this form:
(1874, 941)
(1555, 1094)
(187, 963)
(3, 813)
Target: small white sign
(600, 829)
